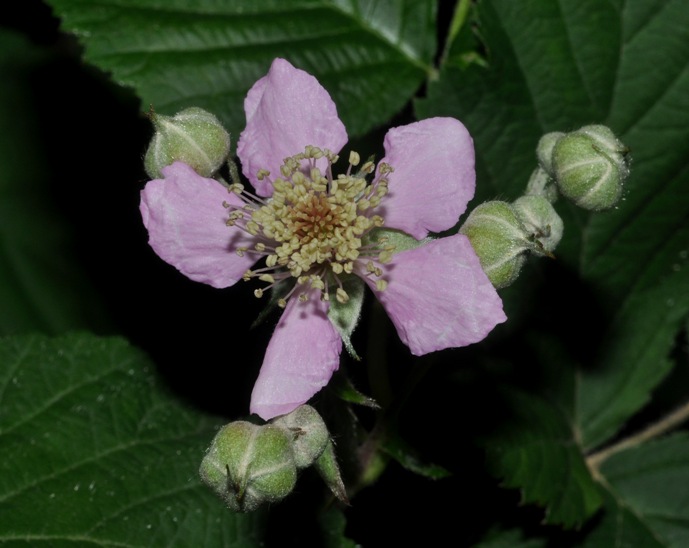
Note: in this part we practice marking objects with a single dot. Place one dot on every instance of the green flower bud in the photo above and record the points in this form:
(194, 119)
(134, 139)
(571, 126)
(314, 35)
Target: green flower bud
(308, 431)
(192, 136)
(540, 220)
(544, 150)
(499, 239)
(541, 184)
(248, 464)
(590, 167)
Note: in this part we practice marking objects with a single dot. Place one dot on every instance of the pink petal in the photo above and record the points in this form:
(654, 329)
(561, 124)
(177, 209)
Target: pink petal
(185, 218)
(439, 297)
(286, 110)
(434, 175)
(301, 357)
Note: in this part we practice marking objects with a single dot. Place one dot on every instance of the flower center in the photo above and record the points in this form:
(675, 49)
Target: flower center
(313, 226)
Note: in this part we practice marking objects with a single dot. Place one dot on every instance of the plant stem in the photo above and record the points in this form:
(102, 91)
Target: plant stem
(674, 419)
(376, 357)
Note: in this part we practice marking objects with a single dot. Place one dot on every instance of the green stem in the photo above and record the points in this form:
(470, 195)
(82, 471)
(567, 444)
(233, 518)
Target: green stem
(377, 357)
(664, 425)
(372, 460)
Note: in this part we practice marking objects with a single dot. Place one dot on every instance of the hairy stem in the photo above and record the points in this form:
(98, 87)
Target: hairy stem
(674, 419)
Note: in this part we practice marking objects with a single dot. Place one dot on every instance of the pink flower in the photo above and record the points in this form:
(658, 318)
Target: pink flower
(314, 231)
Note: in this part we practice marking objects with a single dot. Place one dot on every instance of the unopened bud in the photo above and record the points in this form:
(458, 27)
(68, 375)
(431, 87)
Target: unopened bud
(544, 150)
(590, 167)
(248, 464)
(540, 220)
(308, 432)
(192, 136)
(499, 240)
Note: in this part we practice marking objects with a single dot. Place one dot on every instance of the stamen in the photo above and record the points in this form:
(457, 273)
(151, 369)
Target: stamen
(312, 226)
(341, 296)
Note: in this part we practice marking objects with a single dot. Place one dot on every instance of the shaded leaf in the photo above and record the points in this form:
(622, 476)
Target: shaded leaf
(646, 504)
(556, 66)
(633, 360)
(371, 55)
(537, 452)
(95, 452)
(395, 447)
(342, 386)
(333, 524)
(509, 539)
(41, 286)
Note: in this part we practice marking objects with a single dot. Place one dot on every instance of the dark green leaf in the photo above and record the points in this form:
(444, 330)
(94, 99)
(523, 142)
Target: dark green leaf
(556, 66)
(403, 453)
(509, 539)
(333, 524)
(96, 453)
(41, 288)
(634, 359)
(371, 55)
(537, 452)
(647, 504)
(343, 387)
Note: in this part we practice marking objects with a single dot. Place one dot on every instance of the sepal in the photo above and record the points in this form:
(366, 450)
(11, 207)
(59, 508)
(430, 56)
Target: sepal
(248, 465)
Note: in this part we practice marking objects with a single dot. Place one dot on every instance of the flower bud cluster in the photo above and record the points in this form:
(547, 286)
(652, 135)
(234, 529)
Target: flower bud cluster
(192, 136)
(502, 234)
(249, 464)
(589, 165)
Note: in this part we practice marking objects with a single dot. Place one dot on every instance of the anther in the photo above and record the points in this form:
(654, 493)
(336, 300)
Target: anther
(341, 296)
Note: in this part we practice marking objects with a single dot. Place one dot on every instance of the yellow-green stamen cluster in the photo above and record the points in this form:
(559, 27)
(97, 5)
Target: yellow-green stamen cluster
(312, 226)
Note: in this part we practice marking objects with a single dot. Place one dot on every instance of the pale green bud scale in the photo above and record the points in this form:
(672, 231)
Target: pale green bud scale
(192, 136)
(590, 167)
(308, 432)
(540, 220)
(499, 240)
(248, 465)
(544, 150)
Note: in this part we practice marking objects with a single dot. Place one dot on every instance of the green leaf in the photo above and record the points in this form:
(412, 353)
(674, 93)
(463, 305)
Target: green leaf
(538, 452)
(41, 287)
(333, 523)
(633, 360)
(395, 447)
(343, 387)
(647, 504)
(371, 55)
(97, 453)
(509, 539)
(556, 66)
